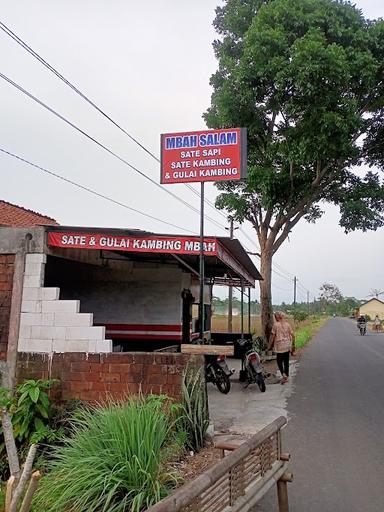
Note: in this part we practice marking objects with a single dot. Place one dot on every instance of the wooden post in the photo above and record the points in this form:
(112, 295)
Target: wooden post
(282, 491)
(282, 496)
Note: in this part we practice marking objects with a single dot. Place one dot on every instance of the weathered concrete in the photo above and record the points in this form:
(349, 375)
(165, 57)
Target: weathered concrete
(246, 411)
(13, 240)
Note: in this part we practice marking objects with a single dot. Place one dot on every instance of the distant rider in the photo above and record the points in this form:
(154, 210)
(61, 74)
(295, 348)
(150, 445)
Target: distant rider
(361, 320)
(362, 324)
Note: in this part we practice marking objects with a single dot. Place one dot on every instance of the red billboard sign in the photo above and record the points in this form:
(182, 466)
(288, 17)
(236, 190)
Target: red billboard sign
(210, 155)
(153, 244)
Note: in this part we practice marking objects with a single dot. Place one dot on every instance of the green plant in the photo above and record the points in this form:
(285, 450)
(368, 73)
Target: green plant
(299, 315)
(195, 412)
(306, 79)
(30, 411)
(114, 460)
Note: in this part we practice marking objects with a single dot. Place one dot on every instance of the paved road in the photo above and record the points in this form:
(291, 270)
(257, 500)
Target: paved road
(336, 431)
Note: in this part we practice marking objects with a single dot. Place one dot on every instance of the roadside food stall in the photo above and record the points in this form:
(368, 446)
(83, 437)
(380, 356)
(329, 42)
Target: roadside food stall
(141, 286)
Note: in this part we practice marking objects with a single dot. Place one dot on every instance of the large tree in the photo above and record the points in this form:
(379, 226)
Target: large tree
(305, 77)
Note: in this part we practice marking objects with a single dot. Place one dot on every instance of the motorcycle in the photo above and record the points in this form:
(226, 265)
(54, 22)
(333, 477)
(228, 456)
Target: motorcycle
(362, 328)
(217, 372)
(252, 371)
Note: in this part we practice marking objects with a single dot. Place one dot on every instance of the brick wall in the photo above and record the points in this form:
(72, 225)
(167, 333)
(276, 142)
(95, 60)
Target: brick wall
(92, 377)
(7, 262)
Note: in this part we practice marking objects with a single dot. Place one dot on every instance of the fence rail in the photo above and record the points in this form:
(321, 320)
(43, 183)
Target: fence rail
(239, 480)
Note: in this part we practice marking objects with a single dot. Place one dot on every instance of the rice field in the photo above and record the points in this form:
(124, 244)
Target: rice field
(220, 324)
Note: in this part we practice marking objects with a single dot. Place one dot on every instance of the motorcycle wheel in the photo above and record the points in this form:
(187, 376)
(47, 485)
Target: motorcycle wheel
(222, 382)
(261, 383)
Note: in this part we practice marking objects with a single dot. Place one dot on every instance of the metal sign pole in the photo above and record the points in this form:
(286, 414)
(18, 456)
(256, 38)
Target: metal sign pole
(202, 261)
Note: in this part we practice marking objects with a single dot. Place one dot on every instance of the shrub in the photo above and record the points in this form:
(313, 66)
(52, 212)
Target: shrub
(299, 316)
(113, 462)
(195, 413)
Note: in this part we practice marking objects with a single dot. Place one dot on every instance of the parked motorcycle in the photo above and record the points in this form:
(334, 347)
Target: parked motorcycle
(218, 372)
(362, 328)
(252, 370)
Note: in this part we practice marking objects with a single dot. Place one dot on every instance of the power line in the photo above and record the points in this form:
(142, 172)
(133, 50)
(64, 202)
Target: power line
(24, 45)
(42, 61)
(94, 192)
(108, 150)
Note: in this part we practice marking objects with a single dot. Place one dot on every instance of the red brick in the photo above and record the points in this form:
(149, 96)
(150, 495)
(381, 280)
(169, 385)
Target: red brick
(94, 377)
(81, 367)
(5, 287)
(100, 386)
(91, 396)
(174, 379)
(121, 388)
(79, 377)
(156, 368)
(116, 358)
(133, 389)
(119, 368)
(96, 367)
(110, 377)
(137, 368)
(80, 386)
(156, 379)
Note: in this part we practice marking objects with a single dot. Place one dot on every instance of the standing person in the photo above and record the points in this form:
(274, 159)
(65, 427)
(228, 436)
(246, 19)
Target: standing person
(283, 340)
(377, 323)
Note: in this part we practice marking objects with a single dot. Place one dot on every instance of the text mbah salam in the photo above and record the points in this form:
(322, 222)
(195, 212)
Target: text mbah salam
(202, 140)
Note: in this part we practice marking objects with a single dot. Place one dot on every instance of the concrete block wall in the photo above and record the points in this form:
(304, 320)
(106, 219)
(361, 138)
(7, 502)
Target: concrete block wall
(6, 284)
(49, 324)
(96, 377)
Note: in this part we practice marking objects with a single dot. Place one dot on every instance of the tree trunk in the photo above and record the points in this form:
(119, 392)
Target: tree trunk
(266, 293)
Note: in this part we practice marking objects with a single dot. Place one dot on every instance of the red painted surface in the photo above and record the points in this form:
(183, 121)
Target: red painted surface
(209, 155)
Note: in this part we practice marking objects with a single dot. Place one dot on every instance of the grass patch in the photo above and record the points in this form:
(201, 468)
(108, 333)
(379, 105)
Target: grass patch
(307, 329)
(115, 461)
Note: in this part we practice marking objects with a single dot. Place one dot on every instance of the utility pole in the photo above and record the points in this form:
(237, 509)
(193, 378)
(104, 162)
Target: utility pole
(308, 302)
(294, 291)
(230, 288)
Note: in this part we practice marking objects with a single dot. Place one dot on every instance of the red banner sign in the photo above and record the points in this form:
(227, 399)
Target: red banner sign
(153, 244)
(211, 155)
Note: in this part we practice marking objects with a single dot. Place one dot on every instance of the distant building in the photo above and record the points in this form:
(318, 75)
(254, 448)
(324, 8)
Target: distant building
(372, 308)
(15, 216)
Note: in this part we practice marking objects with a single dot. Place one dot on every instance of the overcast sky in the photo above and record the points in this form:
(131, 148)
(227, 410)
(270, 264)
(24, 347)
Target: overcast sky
(147, 64)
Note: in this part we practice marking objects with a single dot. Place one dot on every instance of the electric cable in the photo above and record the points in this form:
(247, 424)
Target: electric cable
(32, 52)
(108, 150)
(91, 191)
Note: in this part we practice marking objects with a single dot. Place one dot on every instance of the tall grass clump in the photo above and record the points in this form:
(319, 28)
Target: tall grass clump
(195, 419)
(114, 462)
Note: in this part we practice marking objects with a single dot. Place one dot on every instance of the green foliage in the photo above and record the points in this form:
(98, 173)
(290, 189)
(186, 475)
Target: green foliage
(305, 333)
(299, 315)
(30, 412)
(114, 460)
(220, 306)
(305, 77)
(195, 414)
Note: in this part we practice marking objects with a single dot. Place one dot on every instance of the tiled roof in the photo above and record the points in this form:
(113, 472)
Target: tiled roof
(19, 217)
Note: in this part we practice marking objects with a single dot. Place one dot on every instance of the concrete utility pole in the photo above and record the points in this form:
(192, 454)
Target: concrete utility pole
(294, 291)
(230, 288)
